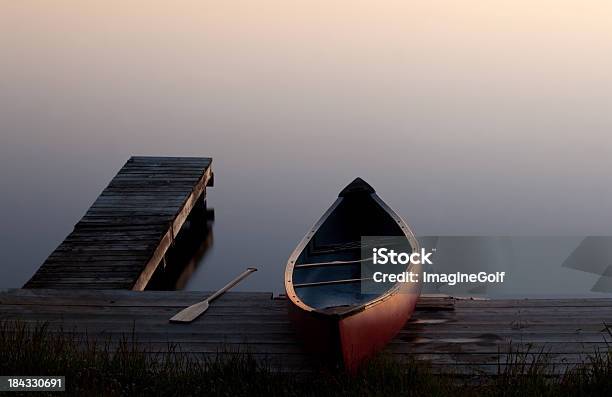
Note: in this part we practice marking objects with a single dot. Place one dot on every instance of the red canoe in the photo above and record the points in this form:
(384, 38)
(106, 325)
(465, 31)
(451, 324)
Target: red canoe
(335, 317)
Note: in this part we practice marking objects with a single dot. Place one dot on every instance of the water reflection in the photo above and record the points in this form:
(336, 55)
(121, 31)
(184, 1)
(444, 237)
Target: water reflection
(189, 249)
(487, 119)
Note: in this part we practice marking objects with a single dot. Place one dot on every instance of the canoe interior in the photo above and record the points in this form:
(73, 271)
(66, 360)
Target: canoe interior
(339, 239)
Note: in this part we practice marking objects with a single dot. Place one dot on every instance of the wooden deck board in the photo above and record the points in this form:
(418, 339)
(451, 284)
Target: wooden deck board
(451, 335)
(129, 227)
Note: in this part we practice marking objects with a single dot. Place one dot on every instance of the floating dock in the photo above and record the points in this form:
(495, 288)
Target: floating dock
(125, 234)
(452, 335)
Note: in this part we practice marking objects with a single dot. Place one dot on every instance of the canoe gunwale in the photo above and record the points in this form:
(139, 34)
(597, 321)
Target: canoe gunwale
(290, 290)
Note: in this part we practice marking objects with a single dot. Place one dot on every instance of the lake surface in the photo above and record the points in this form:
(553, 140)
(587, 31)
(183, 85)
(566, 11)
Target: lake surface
(478, 118)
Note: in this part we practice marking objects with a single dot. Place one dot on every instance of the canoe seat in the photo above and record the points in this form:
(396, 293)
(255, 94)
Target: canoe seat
(332, 282)
(354, 245)
(331, 263)
(331, 248)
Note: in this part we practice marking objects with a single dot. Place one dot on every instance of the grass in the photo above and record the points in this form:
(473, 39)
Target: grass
(95, 369)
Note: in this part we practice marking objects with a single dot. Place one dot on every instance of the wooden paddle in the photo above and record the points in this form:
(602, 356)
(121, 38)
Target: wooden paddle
(192, 312)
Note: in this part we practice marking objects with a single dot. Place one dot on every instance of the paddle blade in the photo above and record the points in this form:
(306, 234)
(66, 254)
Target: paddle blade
(190, 313)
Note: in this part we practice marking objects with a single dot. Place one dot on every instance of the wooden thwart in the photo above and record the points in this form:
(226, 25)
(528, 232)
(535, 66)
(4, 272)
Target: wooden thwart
(125, 234)
(332, 282)
(332, 263)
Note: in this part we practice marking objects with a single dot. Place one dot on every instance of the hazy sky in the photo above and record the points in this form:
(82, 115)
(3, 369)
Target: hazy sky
(469, 117)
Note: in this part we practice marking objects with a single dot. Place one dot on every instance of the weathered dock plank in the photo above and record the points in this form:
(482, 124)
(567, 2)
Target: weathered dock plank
(455, 336)
(125, 234)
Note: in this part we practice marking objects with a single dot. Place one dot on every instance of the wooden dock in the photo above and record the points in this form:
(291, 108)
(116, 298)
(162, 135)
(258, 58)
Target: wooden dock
(120, 241)
(454, 336)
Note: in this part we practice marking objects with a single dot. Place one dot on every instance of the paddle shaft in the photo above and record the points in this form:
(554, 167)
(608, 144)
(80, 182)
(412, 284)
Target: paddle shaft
(231, 284)
(194, 311)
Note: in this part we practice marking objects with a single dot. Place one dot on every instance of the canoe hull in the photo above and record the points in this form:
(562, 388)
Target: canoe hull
(350, 340)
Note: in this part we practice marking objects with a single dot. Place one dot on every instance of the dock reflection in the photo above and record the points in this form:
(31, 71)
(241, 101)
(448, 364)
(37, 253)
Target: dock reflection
(189, 248)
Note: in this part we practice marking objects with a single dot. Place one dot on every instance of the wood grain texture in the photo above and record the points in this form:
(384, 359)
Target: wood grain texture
(452, 335)
(124, 235)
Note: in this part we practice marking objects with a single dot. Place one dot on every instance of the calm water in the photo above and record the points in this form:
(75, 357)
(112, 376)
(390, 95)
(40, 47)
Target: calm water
(489, 119)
